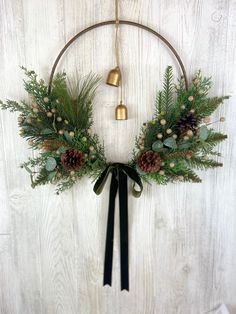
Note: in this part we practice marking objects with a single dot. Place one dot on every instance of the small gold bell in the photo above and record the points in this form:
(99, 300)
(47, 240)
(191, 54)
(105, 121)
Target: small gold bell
(114, 77)
(121, 112)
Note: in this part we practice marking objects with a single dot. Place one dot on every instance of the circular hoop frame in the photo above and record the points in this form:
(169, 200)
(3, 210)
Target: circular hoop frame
(150, 30)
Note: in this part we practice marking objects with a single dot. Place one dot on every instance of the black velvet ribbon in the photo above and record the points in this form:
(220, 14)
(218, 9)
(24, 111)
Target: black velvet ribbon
(120, 172)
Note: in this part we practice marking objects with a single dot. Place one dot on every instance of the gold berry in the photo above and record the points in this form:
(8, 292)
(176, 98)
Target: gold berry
(46, 99)
(35, 110)
(84, 139)
(20, 119)
(172, 164)
(206, 120)
(174, 136)
(61, 132)
(53, 110)
(34, 104)
(190, 98)
(49, 114)
(163, 122)
(72, 134)
(159, 135)
(168, 131)
(190, 133)
(91, 148)
(59, 119)
(186, 138)
(182, 107)
(162, 172)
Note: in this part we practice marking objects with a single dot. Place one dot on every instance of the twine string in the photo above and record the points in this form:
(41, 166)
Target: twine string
(117, 45)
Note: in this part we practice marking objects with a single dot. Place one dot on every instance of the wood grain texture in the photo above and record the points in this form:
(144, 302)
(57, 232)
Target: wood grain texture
(182, 237)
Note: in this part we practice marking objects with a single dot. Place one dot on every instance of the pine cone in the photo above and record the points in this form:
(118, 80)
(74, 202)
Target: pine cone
(72, 159)
(149, 161)
(186, 123)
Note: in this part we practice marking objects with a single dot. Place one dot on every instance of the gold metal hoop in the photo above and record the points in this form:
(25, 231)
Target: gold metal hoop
(150, 30)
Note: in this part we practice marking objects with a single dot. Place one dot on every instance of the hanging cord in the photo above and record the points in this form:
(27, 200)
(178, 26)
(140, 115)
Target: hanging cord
(117, 45)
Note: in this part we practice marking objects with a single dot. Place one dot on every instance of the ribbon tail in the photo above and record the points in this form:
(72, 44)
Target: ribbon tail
(124, 260)
(107, 276)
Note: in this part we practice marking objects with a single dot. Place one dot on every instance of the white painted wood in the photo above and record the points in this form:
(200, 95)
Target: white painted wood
(182, 237)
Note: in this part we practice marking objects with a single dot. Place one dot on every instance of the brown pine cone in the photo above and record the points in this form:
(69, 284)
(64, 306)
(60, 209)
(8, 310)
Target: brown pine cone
(72, 159)
(149, 161)
(188, 122)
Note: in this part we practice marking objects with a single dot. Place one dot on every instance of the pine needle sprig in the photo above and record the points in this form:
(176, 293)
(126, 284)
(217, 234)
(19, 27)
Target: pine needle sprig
(206, 107)
(201, 164)
(14, 106)
(164, 99)
(75, 99)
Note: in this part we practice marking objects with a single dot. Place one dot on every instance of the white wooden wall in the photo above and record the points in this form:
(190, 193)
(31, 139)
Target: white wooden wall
(182, 237)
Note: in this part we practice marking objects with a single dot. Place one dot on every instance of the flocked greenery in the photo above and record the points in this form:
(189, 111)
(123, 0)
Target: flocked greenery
(56, 122)
(182, 153)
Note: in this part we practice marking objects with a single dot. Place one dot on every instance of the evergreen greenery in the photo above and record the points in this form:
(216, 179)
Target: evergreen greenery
(179, 134)
(181, 150)
(56, 122)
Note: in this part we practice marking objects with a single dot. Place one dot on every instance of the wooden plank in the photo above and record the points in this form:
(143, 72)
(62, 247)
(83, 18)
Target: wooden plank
(182, 251)
(9, 289)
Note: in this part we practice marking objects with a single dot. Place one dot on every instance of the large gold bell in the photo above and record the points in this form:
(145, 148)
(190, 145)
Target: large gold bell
(114, 77)
(121, 112)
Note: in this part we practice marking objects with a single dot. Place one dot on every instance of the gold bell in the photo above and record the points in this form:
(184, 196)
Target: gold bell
(121, 112)
(114, 77)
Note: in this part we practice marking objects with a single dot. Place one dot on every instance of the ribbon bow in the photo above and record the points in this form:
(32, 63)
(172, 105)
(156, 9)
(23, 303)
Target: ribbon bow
(119, 172)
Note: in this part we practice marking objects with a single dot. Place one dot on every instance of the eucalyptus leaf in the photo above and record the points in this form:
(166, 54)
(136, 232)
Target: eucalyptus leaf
(51, 175)
(203, 132)
(67, 136)
(62, 149)
(157, 145)
(47, 131)
(140, 171)
(170, 142)
(185, 145)
(161, 150)
(51, 164)
(95, 164)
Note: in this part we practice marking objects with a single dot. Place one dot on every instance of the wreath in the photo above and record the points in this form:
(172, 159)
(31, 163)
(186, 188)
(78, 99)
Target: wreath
(57, 123)
(178, 140)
